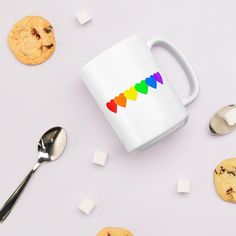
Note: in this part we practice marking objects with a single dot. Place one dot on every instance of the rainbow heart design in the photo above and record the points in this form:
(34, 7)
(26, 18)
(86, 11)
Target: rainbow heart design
(132, 92)
(151, 81)
(120, 100)
(142, 87)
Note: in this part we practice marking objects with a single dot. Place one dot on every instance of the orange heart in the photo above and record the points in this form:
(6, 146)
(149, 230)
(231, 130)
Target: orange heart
(120, 100)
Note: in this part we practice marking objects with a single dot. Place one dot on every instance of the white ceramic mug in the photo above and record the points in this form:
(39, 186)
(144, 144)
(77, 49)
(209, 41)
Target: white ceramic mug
(134, 94)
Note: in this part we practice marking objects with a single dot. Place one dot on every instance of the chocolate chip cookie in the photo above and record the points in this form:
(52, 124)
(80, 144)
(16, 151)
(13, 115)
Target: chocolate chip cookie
(114, 232)
(225, 180)
(32, 40)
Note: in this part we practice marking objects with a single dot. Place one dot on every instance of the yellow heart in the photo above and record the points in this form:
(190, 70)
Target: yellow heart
(131, 93)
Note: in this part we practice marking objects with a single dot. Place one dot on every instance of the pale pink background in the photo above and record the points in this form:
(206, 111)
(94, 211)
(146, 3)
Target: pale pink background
(137, 191)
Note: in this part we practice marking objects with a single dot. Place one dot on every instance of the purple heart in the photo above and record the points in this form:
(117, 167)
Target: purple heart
(150, 81)
(158, 77)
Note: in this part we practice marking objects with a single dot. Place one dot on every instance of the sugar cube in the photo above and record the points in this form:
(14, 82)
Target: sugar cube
(183, 186)
(86, 205)
(100, 158)
(83, 16)
(230, 117)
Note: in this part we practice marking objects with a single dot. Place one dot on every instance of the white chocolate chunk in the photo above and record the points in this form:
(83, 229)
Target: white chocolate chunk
(86, 205)
(183, 186)
(83, 16)
(100, 158)
(230, 117)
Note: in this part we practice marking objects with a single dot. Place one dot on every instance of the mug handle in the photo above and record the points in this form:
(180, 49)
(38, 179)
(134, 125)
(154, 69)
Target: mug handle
(187, 68)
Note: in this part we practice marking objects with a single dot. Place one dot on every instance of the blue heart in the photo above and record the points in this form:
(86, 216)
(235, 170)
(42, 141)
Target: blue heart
(150, 81)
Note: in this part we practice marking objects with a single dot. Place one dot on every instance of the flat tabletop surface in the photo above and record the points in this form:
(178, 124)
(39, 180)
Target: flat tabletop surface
(136, 191)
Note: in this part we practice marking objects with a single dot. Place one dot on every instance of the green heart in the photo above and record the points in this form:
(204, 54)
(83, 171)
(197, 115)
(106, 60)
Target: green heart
(141, 87)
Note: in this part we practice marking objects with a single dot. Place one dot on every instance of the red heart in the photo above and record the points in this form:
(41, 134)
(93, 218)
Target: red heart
(112, 106)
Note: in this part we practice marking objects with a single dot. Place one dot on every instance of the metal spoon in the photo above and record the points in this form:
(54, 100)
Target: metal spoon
(217, 125)
(50, 147)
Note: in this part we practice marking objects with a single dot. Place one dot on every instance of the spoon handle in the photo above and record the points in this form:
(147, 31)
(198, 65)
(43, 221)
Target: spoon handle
(7, 207)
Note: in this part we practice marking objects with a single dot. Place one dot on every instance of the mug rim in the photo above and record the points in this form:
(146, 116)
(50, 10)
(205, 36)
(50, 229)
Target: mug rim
(105, 51)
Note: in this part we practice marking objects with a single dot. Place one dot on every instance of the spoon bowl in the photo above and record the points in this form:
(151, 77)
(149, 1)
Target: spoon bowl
(217, 125)
(50, 147)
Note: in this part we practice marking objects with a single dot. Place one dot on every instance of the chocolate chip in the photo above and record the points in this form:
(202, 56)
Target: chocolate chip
(222, 170)
(108, 234)
(49, 46)
(38, 36)
(229, 191)
(216, 172)
(35, 33)
(48, 29)
(231, 173)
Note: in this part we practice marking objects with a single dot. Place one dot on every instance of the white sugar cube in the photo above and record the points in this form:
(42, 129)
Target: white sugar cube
(183, 186)
(86, 205)
(100, 158)
(83, 16)
(230, 117)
